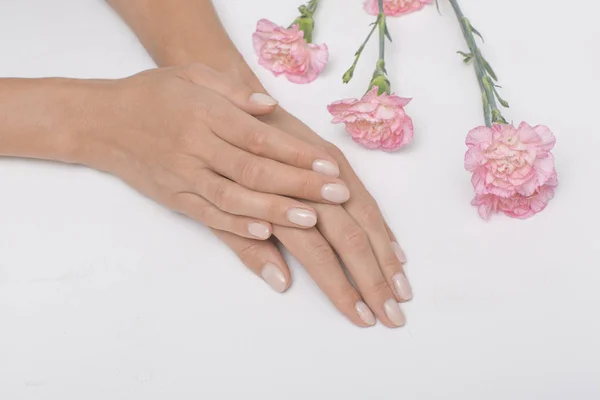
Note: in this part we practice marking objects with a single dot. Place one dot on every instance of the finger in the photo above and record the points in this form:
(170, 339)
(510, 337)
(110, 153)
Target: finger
(239, 94)
(204, 212)
(234, 199)
(352, 245)
(248, 133)
(268, 176)
(389, 255)
(261, 257)
(315, 254)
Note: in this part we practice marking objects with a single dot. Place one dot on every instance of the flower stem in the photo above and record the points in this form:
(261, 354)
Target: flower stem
(348, 75)
(484, 72)
(380, 75)
(381, 21)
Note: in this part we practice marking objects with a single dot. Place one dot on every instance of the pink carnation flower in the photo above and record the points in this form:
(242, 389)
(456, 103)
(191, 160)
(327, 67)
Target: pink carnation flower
(394, 8)
(376, 122)
(513, 168)
(285, 51)
(517, 206)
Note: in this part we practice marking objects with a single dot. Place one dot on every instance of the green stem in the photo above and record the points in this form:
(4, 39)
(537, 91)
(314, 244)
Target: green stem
(350, 72)
(491, 111)
(382, 26)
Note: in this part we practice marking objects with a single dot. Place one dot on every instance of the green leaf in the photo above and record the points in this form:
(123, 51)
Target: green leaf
(500, 99)
(489, 69)
(475, 31)
(387, 33)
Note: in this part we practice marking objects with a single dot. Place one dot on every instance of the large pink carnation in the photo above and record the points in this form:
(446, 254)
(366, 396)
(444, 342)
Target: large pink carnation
(285, 51)
(375, 121)
(513, 168)
(394, 8)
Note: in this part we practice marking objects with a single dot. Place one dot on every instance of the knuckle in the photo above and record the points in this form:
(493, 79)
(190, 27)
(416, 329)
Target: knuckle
(250, 173)
(255, 140)
(355, 238)
(207, 215)
(307, 185)
(322, 252)
(370, 214)
(380, 286)
(221, 195)
(249, 253)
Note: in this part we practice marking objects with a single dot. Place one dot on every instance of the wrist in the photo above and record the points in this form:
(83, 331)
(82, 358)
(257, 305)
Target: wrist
(40, 118)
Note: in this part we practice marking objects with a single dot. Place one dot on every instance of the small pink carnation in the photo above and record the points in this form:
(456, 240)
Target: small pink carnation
(513, 169)
(394, 8)
(285, 51)
(375, 121)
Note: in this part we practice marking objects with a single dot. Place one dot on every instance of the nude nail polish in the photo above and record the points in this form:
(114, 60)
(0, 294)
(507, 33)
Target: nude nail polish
(302, 217)
(394, 313)
(402, 286)
(365, 313)
(399, 252)
(326, 168)
(335, 193)
(259, 230)
(262, 99)
(274, 277)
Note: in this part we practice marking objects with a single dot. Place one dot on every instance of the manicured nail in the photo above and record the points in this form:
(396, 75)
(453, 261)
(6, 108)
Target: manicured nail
(399, 252)
(259, 230)
(274, 277)
(335, 193)
(302, 217)
(394, 313)
(402, 286)
(263, 99)
(365, 313)
(326, 168)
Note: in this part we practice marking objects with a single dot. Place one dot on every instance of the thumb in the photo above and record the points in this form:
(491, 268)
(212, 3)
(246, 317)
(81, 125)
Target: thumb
(242, 96)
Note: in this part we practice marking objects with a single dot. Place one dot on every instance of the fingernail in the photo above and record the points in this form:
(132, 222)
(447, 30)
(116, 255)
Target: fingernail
(402, 286)
(365, 313)
(263, 99)
(302, 217)
(259, 230)
(394, 313)
(399, 252)
(274, 277)
(335, 193)
(326, 167)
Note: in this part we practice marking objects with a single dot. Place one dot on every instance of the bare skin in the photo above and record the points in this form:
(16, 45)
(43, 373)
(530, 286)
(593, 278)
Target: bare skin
(168, 133)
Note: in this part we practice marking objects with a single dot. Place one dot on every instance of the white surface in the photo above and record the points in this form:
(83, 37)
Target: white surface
(105, 295)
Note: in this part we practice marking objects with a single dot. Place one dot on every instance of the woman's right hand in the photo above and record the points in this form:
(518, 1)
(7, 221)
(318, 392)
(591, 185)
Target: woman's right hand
(185, 137)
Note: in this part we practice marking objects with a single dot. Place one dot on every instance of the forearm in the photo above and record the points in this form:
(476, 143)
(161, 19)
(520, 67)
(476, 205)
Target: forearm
(177, 32)
(49, 119)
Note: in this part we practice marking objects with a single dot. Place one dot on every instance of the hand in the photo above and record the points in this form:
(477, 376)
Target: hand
(184, 137)
(355, 231)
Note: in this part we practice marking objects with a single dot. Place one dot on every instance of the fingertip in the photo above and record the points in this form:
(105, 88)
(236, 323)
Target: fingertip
(275, 277)
(260, 230)
(262, 103)
(326, 167)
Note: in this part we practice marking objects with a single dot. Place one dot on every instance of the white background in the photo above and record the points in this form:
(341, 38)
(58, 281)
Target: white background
(105, 295)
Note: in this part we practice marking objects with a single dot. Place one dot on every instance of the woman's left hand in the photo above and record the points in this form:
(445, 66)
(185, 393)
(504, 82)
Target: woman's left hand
(355, 231)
